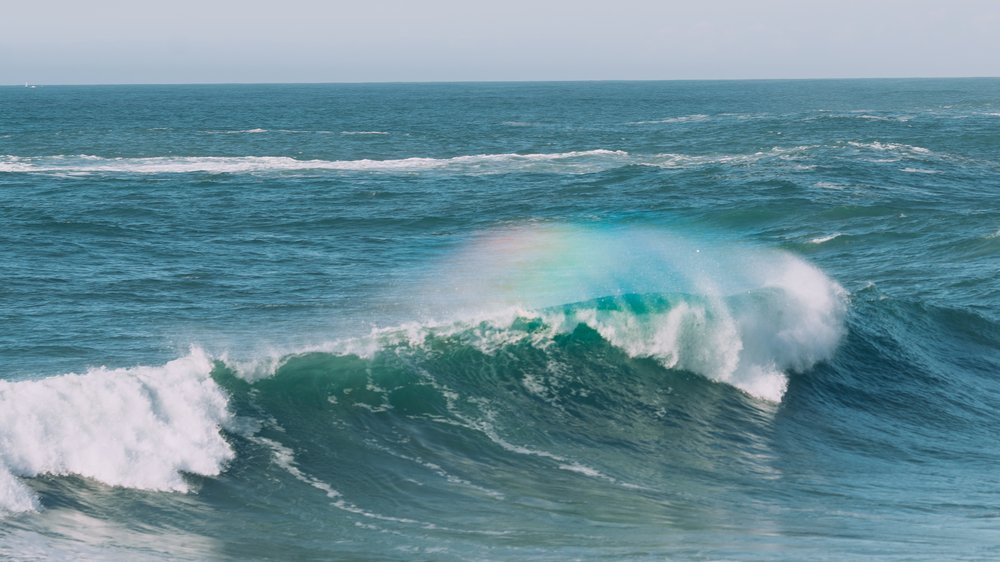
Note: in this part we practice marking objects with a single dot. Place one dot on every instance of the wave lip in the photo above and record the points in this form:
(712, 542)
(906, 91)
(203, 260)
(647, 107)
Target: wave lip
(750, 341)
(141, 427)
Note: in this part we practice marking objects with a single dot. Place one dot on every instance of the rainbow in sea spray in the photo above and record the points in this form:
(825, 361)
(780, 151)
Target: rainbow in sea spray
(735, 314)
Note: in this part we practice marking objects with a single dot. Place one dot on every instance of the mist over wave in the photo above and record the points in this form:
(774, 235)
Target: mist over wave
(732, 313)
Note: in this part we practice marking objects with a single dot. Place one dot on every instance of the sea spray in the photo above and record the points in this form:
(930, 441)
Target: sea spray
(739, 314)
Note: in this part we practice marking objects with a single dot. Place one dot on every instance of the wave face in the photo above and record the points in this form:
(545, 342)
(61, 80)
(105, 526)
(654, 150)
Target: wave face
(606, 321)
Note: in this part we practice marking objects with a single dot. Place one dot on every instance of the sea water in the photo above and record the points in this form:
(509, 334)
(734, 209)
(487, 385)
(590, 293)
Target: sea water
(749, 320)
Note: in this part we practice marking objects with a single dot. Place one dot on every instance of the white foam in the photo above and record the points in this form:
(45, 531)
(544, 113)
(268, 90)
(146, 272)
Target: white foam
(584, 161)
(670, 160)
(920, 171)
(671, 120)
(746, 116)
(897, 118)
(238, 132)
(15, 164)
(572, 162)
(905, 149)
(15, 497)
(142, 427)
(364, 133)
(824, 239)
(285, 458)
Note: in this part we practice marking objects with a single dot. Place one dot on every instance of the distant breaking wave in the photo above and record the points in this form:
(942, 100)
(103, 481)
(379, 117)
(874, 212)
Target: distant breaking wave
(671, 120)
(564, 162)
(569, 162)
(580, 162)
(896, 149)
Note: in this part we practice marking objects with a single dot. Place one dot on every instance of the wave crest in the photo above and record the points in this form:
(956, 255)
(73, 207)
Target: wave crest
(737, 315)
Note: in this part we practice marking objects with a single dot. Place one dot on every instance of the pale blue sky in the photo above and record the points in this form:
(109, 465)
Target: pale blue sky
(136, 41)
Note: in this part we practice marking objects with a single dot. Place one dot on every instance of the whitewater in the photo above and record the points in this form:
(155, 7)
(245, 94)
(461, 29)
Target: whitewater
(644, 321)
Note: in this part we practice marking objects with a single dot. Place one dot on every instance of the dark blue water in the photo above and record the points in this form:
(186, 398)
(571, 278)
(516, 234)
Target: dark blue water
(678, 320)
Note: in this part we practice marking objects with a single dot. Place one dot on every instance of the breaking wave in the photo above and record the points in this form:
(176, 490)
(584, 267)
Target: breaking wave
(138, 428)
(572, 162)
(561, 296)
(564, 162)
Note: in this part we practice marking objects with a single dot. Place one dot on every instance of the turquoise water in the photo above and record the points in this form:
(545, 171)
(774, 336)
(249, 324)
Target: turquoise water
(556, 321)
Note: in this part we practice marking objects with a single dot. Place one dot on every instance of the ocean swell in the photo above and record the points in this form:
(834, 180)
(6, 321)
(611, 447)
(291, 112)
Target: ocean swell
(743, 316)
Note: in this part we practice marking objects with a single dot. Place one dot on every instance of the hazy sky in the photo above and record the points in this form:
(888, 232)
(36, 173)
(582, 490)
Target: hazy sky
(124, 41)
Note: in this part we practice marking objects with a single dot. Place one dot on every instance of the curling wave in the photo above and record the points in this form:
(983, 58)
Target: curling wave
(734, 314)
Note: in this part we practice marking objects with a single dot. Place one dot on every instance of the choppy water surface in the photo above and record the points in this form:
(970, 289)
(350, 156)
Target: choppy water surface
(689, 320)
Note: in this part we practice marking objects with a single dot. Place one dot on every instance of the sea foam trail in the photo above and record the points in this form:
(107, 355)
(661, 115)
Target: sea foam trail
(141, 427)
(572, 162)
(584, 161)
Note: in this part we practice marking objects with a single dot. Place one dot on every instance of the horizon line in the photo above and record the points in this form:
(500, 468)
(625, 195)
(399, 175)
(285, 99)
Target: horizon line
(30, 84)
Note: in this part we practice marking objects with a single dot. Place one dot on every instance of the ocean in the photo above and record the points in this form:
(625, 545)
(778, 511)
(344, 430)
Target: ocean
(734, 320)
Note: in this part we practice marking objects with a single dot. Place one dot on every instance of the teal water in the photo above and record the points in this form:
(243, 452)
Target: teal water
(555, 321)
